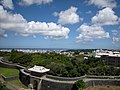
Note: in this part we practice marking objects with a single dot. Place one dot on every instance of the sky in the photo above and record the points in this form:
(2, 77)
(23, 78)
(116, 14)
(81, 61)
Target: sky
(73, 24)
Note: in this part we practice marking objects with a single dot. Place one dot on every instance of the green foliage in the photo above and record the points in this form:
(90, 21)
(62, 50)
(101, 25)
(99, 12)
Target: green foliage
(3, 87)
(93, 62)
(80, 84)
(4, 54)
(17, 83)
(83, 69)
(74, 73)
(105, 70)
(62, 65)
(14, 55)
(23, 59)
(57, 68)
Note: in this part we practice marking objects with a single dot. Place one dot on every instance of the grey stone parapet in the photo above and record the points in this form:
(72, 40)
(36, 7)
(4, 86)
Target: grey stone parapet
(6, 63)
(49, 82)
(10, 78)
(65, 78)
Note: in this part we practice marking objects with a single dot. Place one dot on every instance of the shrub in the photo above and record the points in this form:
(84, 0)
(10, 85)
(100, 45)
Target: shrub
(80, 84)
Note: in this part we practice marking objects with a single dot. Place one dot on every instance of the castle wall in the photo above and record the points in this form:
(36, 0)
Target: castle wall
(102, 83)
(49, 85)
(60, 83)
(6, 64)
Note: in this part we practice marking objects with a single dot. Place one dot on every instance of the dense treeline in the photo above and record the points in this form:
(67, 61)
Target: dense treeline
(5, 54)
(62, 65)
(20, 58)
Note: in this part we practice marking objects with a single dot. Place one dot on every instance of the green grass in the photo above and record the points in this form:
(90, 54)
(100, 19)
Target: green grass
(17, 83)
(9, 71)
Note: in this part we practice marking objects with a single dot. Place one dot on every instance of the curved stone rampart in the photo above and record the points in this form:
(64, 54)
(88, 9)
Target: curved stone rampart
(7, 64)
(49, 82)
(51, 85)
(65, 78)
(103, 77)
(102, 83)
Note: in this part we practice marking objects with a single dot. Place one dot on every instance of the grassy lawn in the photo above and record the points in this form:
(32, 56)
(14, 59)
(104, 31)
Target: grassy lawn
(9, 71)
(12, 72)
(17, 83)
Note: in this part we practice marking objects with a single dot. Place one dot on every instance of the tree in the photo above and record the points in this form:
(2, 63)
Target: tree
(83, 69)
(57, 68)
(80, 85)
(74, 73)
(25, 58)
(13, 54)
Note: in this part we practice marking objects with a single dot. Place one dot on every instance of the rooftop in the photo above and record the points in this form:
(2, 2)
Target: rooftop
(39, 69)
(108, 53)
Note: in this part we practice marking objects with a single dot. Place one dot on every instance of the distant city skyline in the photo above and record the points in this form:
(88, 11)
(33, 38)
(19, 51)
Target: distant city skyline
(71, 24)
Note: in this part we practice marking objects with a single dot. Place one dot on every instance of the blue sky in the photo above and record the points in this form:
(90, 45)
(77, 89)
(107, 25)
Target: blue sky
(75, 24)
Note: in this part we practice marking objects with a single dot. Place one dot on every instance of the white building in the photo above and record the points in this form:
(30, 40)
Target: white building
(39, 69)
(99, 53)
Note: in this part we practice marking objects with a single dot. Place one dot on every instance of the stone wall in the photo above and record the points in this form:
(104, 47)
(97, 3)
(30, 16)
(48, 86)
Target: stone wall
(49, 85)
(102, 77)
(60, 83)
(65, 78)
(7, 64)
(24, 78)
(102, 83)
(10, 78)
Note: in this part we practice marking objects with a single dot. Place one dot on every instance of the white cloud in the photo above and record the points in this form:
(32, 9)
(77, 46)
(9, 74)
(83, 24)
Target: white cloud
(69, 16)
(116, 39)
(114, 32)
(17, 23)
(38, 2)
(2, 33)
(89, 33)
(116, 36)
(13, 22)
(7, 4)
(105, 16)
(49, 30)
(55, 13)
(103, 3)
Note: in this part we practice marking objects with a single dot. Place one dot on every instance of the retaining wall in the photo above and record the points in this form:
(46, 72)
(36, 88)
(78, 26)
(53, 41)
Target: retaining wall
(49, 85)
(10, 78)
(102, 83)
(7, 64)
(63, 83)
(26, 78)
(65, 78)
(102, 77)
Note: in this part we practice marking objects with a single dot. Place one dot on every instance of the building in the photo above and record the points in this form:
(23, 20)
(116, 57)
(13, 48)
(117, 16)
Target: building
(32, 77)
(38, 70)
(111, 60)
(110, 57)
